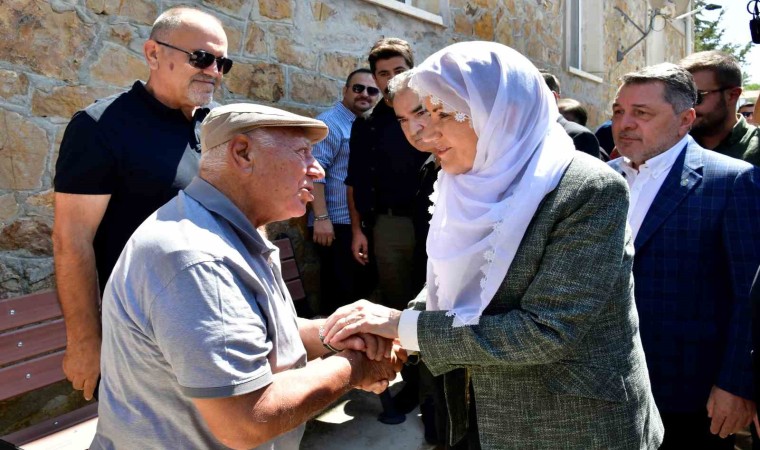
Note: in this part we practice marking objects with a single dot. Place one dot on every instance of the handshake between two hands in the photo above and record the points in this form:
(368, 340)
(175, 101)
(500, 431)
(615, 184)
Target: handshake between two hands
(367, 327)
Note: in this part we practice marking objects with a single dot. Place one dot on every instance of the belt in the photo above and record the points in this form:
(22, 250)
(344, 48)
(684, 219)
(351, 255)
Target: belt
(404, 212)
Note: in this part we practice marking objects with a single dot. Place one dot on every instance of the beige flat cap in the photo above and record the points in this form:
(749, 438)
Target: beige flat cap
(224, 122)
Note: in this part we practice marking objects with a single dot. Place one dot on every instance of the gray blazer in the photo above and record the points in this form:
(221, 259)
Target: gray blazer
(556, 361)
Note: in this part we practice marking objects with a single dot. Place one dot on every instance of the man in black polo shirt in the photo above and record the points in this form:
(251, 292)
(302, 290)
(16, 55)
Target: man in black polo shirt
(123, 157)
(383, 178)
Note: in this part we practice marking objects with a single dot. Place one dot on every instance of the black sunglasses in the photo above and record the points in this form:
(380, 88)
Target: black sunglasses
(746, 114)
(359, 88)
(201, 59)
(702, 94)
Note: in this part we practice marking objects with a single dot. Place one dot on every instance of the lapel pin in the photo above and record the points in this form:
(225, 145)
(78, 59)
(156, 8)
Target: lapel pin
(684, 182)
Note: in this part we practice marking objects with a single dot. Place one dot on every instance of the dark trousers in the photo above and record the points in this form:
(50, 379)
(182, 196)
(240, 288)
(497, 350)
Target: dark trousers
(691, 431)
(342, 279)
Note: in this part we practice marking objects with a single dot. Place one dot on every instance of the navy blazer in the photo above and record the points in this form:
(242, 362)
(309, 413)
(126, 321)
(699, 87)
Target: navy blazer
(696, 255)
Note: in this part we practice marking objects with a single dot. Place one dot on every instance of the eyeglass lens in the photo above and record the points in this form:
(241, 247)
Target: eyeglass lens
(359, 88)
(746, 113)
(201, 60)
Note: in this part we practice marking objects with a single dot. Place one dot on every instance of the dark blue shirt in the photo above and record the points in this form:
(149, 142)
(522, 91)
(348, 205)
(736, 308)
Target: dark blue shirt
(136, 149)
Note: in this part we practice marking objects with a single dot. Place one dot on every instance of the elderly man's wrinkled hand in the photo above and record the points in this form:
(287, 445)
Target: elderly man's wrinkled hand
(375, 347)
(362, 317)
(370, 375)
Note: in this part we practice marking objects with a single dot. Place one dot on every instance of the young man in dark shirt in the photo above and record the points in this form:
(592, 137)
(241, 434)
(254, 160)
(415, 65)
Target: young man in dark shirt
(122, 158)
(383, 177)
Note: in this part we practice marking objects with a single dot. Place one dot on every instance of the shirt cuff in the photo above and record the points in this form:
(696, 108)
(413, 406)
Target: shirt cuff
(407, 329)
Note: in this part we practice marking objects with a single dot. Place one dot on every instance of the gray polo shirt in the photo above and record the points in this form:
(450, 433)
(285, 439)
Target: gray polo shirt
(195, 308)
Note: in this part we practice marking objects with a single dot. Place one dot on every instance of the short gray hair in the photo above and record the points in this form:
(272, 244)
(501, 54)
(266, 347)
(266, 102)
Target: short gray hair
(172, 19)
(680, 89)
(399, 83)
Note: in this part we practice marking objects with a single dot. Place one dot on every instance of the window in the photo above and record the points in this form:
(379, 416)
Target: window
(427, 10)
(585, 39)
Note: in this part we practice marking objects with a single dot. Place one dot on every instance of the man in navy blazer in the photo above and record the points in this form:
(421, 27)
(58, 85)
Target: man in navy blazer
(695, 218)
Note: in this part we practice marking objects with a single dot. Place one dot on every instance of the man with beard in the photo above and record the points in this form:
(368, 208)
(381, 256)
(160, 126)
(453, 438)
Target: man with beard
(123, 157)
(343, 279)
(717, 126)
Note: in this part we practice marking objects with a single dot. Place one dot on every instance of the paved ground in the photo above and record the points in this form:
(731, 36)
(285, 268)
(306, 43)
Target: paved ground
(350, 424)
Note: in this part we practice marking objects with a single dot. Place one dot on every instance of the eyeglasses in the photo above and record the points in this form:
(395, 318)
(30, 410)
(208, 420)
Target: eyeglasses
(201, 59)
(702, 94)
(746, 114)
(359, 88)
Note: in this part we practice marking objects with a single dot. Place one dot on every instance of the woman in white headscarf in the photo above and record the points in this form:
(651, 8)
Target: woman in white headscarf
(529, 273)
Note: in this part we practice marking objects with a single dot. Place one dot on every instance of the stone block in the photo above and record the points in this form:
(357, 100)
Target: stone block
(8, 208)
(118, 66)
(321, 11)
(28, 236)
(367, 20)
(312, 89)
(50, 43)
(483, 27)
(64, 101)
(122, 33)
(462, 23)
(234, 34)
(255, 41)
(257, 81)
(42, 203)
(232, 7)
(141, 11)
(339, 65)
(12, 84)
(23, 151)
(276, 9)
(287, 52)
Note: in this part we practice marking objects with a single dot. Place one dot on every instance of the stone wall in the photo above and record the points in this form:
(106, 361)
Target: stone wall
(57, 56)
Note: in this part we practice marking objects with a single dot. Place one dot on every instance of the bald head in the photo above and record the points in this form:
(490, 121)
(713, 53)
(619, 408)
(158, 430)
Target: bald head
(175, 18)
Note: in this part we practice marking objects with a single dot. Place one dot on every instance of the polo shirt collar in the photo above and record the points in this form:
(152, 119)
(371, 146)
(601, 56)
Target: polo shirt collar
(213, 200)
(159, 108)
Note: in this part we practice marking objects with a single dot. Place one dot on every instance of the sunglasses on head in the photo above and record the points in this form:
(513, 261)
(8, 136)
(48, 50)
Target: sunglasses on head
(359, 88)
(201, 59)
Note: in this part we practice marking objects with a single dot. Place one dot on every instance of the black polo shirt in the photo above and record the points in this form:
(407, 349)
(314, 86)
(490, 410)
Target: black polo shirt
(383, 167)
(134, 148)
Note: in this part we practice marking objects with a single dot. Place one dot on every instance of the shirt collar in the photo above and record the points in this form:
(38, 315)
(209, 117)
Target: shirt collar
(213, 200)
(139, 88)
(737, 133)
(344, 112)
(659, 164)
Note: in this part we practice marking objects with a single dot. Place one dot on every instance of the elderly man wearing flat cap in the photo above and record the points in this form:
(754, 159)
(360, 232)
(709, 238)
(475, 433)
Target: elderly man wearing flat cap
(201, 345)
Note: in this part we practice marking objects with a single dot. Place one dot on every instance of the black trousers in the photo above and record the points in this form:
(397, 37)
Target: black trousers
(342, 279)
(692, 431)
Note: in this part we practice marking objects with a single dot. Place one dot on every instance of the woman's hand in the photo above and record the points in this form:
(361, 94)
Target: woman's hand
(362, 317)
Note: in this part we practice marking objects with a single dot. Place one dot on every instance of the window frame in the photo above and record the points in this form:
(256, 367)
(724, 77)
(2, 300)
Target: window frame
(405, 7)
(589, 39)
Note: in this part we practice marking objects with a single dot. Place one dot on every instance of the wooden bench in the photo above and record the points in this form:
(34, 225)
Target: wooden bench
(33, 340)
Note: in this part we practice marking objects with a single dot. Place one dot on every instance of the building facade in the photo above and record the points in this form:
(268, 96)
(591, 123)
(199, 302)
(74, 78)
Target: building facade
(57, 56)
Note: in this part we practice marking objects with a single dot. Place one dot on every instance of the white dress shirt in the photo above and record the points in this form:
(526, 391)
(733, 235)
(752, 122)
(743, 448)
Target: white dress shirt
(646, 182)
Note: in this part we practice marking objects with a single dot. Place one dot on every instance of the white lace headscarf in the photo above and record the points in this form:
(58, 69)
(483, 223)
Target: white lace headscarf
(480, 217)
